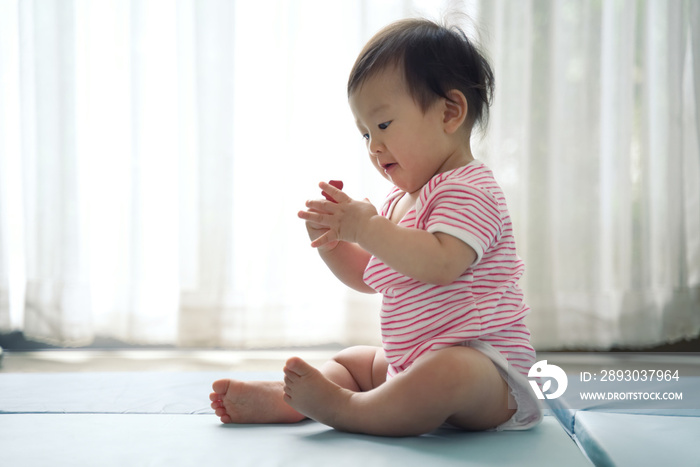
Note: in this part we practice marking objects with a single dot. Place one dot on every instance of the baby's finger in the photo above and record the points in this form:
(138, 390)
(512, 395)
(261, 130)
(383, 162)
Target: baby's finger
(314, 217)
(326, 239)
(336, 183)
(320, 206)
(330, 190)
(316, 210)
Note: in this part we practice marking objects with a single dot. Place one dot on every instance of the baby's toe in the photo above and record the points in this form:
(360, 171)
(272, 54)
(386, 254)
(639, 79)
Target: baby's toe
(220, 387)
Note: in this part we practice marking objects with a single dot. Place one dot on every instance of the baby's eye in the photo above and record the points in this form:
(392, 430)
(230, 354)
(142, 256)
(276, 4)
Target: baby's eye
(366, 136)
(384, 126)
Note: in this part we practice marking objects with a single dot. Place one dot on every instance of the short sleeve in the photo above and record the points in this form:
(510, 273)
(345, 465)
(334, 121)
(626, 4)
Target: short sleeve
(469, 213)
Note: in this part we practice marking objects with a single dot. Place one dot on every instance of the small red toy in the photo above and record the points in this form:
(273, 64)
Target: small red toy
(336, 183)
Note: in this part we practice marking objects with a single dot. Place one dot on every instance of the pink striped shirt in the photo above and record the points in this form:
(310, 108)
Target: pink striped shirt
(484, 301)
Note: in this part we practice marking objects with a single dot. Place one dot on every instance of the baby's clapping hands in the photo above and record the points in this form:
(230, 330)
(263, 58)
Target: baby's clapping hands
(338, 218)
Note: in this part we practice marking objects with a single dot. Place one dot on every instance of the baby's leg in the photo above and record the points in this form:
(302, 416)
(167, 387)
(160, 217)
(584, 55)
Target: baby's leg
(458, 385)
(357, 369)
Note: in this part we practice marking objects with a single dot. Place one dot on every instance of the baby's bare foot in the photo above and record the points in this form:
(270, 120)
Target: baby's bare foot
(312, 394)
(251, 402)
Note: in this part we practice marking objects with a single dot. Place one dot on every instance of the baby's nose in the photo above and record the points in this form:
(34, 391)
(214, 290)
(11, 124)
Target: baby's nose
(375, 147)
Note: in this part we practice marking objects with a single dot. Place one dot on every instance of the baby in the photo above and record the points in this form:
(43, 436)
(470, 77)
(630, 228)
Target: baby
(441, 252)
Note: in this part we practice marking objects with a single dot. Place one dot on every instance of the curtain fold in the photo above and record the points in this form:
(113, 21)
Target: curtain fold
(153, 156)
(10, 190)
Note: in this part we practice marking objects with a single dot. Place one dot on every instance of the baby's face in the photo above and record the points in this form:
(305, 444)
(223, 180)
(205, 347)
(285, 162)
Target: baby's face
(405, 144)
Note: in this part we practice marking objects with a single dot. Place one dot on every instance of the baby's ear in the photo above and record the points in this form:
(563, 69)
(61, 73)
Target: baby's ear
(455, 110)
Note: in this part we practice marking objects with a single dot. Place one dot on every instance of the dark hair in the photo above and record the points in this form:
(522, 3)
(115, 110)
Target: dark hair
(435, 59)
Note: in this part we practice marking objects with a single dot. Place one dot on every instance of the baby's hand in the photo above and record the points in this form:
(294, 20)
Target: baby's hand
(343, 217)
(315, 230)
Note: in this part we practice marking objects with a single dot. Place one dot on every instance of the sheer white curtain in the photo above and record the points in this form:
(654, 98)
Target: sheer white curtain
(153, 155)
(595, 136)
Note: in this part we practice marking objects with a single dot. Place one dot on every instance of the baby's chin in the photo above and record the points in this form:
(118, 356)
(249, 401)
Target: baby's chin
(406, 187)
(398, 181)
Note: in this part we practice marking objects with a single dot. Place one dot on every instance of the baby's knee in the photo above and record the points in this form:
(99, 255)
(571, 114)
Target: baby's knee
(360, 362)
(354, 355)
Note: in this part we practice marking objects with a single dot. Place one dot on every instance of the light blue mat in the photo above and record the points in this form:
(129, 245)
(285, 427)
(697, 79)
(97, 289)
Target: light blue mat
(566, 407)
(114, 392)
(633, 432)
(118, 419)
(634, 440)
(192, 440)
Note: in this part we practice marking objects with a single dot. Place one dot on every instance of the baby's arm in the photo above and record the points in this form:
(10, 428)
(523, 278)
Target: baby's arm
(435, 258)
(348, 262)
